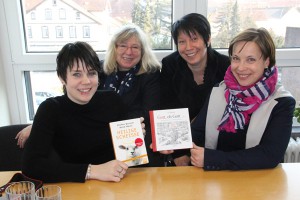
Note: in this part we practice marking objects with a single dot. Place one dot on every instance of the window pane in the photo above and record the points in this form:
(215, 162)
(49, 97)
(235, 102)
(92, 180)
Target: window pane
(280, 17)
(42, 85)
(289, 78)
(93, 21)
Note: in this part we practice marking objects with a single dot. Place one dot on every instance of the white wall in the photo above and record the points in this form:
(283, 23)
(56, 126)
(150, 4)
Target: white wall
(4, 112)
(4, 108)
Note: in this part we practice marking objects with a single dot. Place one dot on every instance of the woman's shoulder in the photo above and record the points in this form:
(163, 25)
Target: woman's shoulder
(50, 106)
(53, 101)
(173, 57)
(284, 97)
(106, 94)
(147, 78)
(215, 56)
(150, 74)
(173, 63)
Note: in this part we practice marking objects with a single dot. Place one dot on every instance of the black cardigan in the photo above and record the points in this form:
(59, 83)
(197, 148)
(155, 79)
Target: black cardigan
(178, 88)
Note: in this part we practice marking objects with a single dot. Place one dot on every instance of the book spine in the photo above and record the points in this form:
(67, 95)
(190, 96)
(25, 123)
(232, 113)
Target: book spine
(152, 131)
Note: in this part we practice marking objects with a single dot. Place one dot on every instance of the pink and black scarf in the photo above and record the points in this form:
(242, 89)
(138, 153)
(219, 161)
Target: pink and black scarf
(243, 101)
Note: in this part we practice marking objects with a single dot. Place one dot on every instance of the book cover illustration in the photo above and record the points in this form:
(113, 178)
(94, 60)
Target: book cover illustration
(128, 142)
(170, 129)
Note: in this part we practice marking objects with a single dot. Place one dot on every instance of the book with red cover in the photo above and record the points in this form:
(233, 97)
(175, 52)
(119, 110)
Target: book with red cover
(128, 141)
(170, 129)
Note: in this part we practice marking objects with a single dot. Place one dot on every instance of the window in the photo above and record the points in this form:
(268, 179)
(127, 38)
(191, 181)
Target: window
(86, 32)
(72, 31)
(77, 15)
(48, 14)
(41, 92)
(35, 56)
(289, 78)
(32, 15)
(99, 19)
(29, 32)
(59, 32)
(45, 32)
(229, 17)
(62, 13)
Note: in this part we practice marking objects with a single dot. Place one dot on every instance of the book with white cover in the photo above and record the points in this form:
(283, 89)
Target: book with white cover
(128, 141)
(170, 129)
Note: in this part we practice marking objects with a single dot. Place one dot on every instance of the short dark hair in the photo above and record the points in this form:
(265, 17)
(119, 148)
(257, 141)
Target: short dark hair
(192, 23)
(75, 52)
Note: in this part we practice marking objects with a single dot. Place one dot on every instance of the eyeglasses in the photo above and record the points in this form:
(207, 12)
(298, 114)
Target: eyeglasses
(123, 48)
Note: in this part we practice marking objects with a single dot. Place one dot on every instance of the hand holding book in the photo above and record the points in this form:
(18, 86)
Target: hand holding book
(128, 141)
(170, 130)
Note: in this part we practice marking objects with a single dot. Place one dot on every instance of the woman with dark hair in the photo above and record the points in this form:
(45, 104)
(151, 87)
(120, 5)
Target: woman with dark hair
(70, 139)
(189, 74)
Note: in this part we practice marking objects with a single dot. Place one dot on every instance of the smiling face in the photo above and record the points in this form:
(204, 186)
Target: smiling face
(247, 63)
(129, 53)
(80, 83)
(192, 49)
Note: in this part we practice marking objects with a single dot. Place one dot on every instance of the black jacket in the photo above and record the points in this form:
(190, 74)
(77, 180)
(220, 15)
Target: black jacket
(178, 88)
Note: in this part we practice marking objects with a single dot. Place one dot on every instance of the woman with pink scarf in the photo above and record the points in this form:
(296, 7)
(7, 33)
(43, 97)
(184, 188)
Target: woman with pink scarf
(246, 122)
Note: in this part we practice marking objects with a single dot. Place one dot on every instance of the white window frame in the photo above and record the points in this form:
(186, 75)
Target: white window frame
(15, 60)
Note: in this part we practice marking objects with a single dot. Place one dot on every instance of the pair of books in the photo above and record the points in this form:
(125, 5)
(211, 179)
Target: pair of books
(170, 129)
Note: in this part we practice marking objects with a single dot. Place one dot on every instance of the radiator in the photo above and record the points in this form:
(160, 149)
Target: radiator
(292, 153)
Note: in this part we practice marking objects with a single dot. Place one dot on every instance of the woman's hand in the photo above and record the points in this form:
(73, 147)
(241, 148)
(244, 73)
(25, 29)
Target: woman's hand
(166, 152)
(182, 161)
(110, 171)
(23, 135)
(143, 125)
(197, 156)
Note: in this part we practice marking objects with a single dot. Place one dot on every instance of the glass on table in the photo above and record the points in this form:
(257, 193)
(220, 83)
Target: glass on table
(48, 192)
(23, 190)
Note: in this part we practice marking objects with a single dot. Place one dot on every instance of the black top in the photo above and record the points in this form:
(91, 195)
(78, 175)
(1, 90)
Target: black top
(178, 88)
(143, 97)
(66, 137)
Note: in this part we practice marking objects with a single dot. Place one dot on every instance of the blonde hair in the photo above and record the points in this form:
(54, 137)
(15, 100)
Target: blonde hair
(148, 62)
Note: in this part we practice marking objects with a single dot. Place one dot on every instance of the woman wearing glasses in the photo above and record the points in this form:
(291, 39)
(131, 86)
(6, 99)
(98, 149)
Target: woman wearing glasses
(131, 69)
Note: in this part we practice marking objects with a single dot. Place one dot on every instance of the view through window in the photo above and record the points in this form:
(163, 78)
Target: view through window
(50, 24)
(279, 17)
